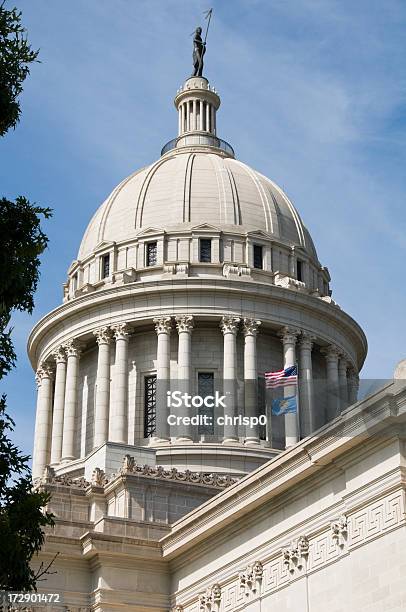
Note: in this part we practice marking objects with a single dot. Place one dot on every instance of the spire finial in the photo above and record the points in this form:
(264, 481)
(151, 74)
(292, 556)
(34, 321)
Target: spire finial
(199, 46)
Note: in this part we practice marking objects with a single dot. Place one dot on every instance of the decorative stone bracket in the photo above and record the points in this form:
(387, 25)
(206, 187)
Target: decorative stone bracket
(210, 600)
(339, 530)
(294, 557)
(287, 282)
(250, 579)
(230, 271)
(178, 269)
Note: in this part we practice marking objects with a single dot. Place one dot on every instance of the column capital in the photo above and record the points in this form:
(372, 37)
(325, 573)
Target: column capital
(289, 335)
(331, 353)
(163, 325)
(229, 324)
(73, 348)
(184, 323)
(343, 364)
(120, 331)
(251, 327)
(59, 355)
(44, 370)
(103, 335)
(306, 341)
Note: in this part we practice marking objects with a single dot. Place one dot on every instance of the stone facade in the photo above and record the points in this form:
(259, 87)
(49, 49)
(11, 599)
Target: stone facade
(198, 268)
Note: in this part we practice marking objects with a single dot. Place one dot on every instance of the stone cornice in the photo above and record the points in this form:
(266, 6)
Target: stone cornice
(358, 422)
(316, 307)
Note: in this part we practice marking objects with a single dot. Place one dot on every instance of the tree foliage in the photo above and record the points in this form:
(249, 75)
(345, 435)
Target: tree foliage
(22, 519)
(22, 508)
(22, 241)
(16, 56)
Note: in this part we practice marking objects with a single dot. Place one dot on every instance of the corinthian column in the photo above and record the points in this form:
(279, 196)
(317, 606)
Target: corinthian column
(163, 327)
(59, 405)
(101, 419)
(72, 348)
(250, 330)
(289, 336)
(119, 420)
(306, 408)
(184, 324)
(333, 394)
(342, 380)
(353, 386)
(42, 438)
(229, 327)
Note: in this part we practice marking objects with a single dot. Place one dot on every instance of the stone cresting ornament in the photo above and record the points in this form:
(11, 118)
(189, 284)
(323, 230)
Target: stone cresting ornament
(295, 556)
(99, 478)
(210, 601)
(250, 579)
(130, 466)
(339, 530)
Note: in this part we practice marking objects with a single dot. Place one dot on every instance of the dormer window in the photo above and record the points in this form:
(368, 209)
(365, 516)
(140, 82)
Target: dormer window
(258, 257)
(205, 250)
(151, 254)
(105, 266)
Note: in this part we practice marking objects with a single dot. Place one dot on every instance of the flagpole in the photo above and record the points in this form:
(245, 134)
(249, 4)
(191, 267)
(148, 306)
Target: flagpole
(298, 402)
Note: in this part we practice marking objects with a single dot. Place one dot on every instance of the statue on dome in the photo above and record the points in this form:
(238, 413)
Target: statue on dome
(199, 49)
(199, 46)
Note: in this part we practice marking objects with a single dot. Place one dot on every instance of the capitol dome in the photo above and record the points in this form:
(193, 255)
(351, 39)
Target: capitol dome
(196, 273)
(184, 189)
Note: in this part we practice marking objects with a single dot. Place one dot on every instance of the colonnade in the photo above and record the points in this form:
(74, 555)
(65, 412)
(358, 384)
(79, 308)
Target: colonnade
(197, 115)
(57, 404)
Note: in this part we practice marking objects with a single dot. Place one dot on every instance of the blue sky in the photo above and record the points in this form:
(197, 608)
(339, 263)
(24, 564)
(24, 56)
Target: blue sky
(313, 96)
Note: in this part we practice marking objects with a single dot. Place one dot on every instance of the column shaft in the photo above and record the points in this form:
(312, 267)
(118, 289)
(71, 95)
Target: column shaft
(250, 329)
(229, 326)
(289, 337)
(42, 438)
(333, 391)
(101, 421)
(207, 117)
(59, 406)
(71, 399)
(342, 380)
(307, 415)
(119, 420)
(184, 324)
(163, 326)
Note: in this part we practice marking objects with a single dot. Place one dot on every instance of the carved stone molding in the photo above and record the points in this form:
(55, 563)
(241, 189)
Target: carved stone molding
(73, 348)
(251, 327)
(163, 325)
(120, 331)
(103, 335)
(289, 335)
(45, 370)
(177, 608)
(250, 579)
(306, 341)
(339, 530)
(99, 478)
(210, 601)
(294, 557)
(184, 323)
(229, 324)
(288, 282)
(130, 466)
(231, 270)
(59, 355)
(332, 353)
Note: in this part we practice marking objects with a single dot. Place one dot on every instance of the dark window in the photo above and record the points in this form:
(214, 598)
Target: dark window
(258, 259)
(205, 250)
(205, 384)
(105, 266)
(149, 406)
(75, 282)
(299, 270)
(151, 254)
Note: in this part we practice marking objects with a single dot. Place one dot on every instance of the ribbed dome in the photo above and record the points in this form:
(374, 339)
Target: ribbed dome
(190, 188)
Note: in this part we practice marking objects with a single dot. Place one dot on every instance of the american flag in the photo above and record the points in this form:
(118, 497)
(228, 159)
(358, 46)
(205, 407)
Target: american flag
(282, 378)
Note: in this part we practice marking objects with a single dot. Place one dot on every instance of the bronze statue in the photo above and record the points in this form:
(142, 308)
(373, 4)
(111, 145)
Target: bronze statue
(199, 49)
